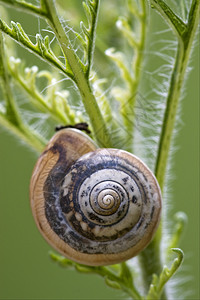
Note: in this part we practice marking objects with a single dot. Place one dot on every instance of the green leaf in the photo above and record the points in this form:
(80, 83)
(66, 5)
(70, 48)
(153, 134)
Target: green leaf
(180, 223)
(25, 6)
(10, 116)
(54, 101)
(91, 11)
(113, 277)
(158, 282)
(175, 21)
(41, 48)
(112, 284)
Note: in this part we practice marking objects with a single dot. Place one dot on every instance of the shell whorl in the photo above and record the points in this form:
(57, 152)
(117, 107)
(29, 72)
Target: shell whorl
(99, 208)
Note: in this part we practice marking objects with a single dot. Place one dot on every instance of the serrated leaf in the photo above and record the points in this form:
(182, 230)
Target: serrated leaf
(39, 48)
(158, 282)
(85, 30)
(53, 102)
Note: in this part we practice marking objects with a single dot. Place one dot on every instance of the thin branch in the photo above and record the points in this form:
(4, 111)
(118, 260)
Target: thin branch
(26, 7)
(34, 141)
(175, 22)
(91, 42)
(11, 118)
(41, 48)
(121, 278)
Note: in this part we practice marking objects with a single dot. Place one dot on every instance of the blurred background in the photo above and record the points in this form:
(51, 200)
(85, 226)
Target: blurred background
(26, 271)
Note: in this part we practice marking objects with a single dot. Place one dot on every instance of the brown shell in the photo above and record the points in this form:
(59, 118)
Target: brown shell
(95, 206)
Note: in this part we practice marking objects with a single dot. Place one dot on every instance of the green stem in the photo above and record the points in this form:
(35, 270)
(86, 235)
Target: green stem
(89, 101)
(174, 21)
(140, 51)
(11, 109)
(151, 263)
(12, 119)
(33, 141)
(177, 79)
(150, 258)
(91, 42)
(128, 288)
(141, 44)
(128, 111)
(170, 115)
(48, 11)
(119, 277)
(36, 99)
(17, 33)
(24, 6)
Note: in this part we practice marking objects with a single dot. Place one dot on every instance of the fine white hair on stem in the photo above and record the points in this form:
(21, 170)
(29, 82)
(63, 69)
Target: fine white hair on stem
(54, 82)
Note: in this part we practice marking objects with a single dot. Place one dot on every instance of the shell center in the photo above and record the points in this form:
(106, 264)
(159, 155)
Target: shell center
(107, 198)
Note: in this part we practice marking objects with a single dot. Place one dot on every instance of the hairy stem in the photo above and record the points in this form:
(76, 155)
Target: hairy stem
(89, 101)
(128, 107)
(140, 53)
(176, 83)
(151, 257)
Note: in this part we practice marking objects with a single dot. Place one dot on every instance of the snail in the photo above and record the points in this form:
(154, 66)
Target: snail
(94, 206)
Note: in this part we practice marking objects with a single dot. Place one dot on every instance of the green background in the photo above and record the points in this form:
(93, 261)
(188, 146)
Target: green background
(26, 271)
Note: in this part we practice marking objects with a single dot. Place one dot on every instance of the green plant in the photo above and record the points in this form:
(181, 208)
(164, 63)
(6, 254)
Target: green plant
(110, 127)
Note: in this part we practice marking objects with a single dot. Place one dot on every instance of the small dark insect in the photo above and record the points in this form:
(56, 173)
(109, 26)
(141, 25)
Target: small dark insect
(81, 126)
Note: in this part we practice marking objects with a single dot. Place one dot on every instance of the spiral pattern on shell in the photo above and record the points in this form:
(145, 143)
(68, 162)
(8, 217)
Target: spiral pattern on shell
(95, 206)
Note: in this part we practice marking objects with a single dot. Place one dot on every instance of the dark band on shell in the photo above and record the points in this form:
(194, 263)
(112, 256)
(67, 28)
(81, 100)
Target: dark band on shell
(103, 204)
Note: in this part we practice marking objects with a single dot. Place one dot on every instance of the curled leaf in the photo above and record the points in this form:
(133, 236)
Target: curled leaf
(158, 282)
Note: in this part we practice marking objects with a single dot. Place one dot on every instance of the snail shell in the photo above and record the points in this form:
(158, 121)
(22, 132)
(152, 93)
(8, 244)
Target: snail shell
(95, 206)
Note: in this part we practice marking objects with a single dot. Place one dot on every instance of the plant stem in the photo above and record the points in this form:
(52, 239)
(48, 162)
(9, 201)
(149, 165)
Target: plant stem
(177, 79)
(11, 109)
(36, 98)
(150, 258)
(174, 21)
(11, 119)
(128, 108)
(24, 6)
(151, 263)
(91, 42)
(48, 11)
(33, 141)
(39, 48)
(120, 278)
(89, 101)
(140, 52)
